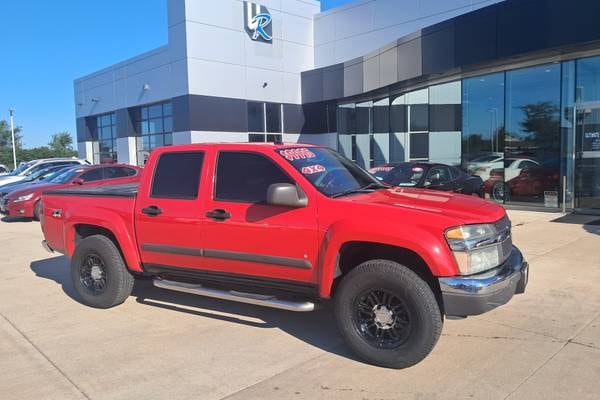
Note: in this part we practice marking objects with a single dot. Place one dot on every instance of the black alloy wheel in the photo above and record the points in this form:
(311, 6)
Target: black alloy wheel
(93, 275)
(382, 319)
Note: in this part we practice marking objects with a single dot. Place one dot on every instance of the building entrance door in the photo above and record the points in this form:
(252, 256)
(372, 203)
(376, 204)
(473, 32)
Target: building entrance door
(587, 158)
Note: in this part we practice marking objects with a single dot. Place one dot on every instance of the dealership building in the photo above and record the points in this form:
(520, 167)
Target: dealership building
(507, 90)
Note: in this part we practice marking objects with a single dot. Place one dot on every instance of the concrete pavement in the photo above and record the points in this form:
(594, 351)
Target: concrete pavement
(544, 345)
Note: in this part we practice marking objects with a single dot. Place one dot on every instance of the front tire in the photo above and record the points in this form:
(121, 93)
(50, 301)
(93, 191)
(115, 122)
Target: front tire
(99, 274)
(36, 210)
(387, 314)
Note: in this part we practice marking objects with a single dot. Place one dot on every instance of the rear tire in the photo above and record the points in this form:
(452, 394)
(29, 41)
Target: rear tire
(387, 314)
(99, 274)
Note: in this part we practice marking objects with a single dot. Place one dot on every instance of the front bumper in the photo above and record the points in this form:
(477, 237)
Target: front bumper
(480, 293)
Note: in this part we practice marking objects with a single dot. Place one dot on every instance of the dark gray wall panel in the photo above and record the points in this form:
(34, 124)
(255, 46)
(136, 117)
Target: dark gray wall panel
(83, 133)
(312, 86)
(208, 113)
(409, 58)
(125, 124)
(371, 71)
(438, 48)
(353, 77)
(522, 27)
(475, 37)
(333, 82)
(293, 118)
(388, 65)
(445, 117)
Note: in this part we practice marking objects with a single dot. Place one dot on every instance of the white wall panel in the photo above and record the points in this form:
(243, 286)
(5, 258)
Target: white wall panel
(216, 79)
(256, 77)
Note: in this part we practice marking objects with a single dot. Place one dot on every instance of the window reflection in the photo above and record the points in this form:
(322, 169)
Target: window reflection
(532, 135)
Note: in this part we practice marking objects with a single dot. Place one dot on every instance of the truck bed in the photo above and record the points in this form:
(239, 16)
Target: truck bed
(124, 190)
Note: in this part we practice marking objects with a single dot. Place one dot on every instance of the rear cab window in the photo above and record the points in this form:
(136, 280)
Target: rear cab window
(177, 175)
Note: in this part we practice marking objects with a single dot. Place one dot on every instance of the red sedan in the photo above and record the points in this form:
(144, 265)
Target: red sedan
(26, 202)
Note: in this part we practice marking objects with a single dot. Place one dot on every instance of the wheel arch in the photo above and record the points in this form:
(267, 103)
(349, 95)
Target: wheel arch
(354, 253)
(125, 246)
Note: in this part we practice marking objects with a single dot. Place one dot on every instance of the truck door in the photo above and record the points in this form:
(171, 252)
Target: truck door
(168, 212)
(245, 235)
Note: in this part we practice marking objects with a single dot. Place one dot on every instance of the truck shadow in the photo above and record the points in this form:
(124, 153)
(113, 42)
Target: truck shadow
(316, 328)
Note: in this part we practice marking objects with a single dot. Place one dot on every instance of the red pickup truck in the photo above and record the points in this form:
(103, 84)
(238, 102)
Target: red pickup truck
(290, 226)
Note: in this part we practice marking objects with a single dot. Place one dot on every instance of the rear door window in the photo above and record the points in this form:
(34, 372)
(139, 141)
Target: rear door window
(118, 172)
(177, 175)
(93, 175)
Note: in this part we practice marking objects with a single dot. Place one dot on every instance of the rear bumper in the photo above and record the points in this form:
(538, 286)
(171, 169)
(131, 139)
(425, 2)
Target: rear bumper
(480, 293)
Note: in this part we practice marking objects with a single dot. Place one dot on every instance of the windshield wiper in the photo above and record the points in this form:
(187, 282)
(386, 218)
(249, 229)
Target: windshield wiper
(365, 189)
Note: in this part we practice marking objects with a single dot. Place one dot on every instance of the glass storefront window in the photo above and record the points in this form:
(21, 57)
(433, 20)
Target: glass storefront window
(483, 131)
(105, 150)
(533, 135)
(155, 127)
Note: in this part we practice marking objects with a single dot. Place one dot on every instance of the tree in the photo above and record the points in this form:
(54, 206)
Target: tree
(6, 155)
(61, 144)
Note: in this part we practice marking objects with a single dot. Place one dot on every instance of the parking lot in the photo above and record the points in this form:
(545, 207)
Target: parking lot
(544, 344)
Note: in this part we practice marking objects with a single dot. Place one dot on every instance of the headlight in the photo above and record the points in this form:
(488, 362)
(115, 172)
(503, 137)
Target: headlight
(24, 197)
(478, 248)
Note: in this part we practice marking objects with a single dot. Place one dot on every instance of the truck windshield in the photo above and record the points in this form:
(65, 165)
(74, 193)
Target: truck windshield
(329, 172)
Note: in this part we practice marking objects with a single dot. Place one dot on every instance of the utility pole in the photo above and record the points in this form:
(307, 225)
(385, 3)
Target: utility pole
(12, 131)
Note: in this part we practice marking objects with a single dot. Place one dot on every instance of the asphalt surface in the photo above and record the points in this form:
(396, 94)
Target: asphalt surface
(544, 344)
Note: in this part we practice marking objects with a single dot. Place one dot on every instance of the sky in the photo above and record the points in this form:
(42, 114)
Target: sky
(45, 45)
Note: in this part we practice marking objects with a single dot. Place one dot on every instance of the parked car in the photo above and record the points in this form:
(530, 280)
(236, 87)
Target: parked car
(288, 226)
(26, 169)
(4, 170)
(37, 177)
(481, 166)
(429, 176)
(531, 182)
(25, 202)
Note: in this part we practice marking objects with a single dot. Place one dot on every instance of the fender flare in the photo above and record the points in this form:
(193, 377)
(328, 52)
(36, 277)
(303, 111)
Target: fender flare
(114, 223)
(433, 250)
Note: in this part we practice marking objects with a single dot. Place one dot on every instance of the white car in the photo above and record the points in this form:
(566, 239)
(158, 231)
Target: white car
(514, 166)
(481, 166)
(4, 170)
(27, 168)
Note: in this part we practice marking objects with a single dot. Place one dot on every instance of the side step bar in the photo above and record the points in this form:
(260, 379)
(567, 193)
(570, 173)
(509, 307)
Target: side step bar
(250, 298)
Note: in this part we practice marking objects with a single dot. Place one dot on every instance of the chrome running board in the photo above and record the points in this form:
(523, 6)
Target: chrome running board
(232, 295)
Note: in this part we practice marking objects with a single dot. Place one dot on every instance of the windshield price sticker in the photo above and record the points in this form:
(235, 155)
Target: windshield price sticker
(313, 169)
(300, 153)
(381, 169)
(417, 169)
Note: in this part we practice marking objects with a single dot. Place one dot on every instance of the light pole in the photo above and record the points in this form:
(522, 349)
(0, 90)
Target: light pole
(12, 132)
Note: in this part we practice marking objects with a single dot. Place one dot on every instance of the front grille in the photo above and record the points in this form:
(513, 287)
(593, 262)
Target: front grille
(503, 227)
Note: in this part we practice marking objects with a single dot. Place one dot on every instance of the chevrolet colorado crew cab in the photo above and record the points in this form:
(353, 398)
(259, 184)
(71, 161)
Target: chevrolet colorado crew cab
(290, 226)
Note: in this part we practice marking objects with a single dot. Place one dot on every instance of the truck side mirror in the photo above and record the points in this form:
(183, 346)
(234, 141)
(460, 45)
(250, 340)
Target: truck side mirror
(78, 181)
(286, 194)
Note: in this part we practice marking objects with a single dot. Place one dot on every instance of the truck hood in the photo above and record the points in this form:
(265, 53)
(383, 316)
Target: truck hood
(464, 209)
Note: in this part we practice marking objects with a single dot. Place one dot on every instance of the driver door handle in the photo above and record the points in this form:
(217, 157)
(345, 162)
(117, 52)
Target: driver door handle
(152, 211)
(218, 214)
